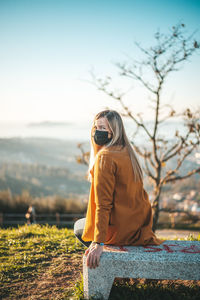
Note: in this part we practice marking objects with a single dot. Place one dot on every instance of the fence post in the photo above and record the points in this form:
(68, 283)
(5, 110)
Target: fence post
(57, 218)
(172, 220)
(1, 219)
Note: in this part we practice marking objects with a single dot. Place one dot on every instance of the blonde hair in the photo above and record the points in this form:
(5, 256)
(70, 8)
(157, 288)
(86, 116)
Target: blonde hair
(119, 137)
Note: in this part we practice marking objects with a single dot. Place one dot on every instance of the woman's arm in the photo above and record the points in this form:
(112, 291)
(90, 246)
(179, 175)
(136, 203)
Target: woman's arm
(104, 183)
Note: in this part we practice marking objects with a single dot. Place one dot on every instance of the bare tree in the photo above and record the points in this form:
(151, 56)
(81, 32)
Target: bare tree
(84, 157)
(160, 60)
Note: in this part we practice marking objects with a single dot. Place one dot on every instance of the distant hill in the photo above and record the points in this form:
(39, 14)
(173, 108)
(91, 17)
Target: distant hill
(49, 123)
(46, 166)
(41, 165)
(46, 151)
(41, 180)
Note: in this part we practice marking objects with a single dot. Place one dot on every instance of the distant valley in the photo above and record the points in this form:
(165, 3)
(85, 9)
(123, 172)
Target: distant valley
(44, 166)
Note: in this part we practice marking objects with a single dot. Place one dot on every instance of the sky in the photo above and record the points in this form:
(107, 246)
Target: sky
(48, 49)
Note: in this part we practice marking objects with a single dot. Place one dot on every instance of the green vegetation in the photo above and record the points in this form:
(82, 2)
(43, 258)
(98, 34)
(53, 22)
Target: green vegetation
(42, 166)
(27, 252)
(44, 262)
(41, 179)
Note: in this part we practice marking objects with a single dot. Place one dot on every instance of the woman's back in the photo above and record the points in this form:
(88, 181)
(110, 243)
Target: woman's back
(118, 205)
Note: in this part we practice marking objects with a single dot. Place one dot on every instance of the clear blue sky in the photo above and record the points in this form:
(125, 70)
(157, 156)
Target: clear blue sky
(48, 47)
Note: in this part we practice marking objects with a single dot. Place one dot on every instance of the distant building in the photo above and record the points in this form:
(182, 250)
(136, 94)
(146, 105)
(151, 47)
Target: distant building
(178, 196)
(193, 193)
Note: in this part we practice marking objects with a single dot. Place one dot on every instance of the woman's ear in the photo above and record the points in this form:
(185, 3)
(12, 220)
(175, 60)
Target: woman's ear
(109, 135)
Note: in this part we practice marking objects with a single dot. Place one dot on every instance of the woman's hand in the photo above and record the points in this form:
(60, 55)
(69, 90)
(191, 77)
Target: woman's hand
(93, 255)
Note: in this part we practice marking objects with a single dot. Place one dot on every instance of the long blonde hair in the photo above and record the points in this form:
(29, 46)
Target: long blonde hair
(119, 137)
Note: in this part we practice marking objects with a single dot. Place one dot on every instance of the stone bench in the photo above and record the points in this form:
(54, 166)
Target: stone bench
(171, 260)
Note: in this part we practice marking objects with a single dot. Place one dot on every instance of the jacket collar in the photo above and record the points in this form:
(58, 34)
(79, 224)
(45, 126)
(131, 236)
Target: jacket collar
(115, 148)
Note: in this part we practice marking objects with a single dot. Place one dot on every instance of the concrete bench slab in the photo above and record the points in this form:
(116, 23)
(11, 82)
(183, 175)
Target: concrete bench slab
(170, 260)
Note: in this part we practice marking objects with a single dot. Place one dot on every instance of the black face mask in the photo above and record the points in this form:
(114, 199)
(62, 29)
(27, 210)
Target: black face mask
(101, 137)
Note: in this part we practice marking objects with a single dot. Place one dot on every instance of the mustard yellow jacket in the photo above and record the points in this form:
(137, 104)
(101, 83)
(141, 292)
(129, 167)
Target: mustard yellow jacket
(119, 211)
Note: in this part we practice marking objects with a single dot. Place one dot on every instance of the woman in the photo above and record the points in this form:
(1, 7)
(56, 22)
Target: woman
(119, 211)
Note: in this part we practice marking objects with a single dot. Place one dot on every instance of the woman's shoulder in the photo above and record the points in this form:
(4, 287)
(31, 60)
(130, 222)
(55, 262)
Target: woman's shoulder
(112, 155)
(113, 149)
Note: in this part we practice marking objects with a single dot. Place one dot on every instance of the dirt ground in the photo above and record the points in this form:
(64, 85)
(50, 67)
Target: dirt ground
(60, 275)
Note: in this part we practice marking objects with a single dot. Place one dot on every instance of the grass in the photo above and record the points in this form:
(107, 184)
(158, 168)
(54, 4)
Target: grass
(29, 252)
(45, 262)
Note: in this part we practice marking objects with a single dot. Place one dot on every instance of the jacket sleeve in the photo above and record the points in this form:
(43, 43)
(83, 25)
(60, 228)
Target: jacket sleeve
(104, 183)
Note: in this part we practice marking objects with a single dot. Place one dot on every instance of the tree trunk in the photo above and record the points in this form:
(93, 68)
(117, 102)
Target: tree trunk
(155, 208)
